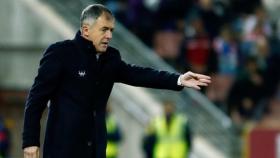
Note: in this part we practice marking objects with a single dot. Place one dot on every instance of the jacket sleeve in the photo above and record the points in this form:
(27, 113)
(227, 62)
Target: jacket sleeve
(41, 91)
(147, 77)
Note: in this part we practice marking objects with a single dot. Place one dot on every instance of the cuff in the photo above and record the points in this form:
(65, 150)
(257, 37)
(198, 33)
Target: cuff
(30, 142)
(179, 81)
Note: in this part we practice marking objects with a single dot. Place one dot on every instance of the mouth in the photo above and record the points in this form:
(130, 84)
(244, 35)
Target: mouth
(105, 44)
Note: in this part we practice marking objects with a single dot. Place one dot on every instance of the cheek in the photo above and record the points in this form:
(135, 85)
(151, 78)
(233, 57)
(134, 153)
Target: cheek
(96, 41)
(96, 37)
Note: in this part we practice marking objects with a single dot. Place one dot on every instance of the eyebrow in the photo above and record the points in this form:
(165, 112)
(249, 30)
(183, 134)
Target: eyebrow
(108, 28)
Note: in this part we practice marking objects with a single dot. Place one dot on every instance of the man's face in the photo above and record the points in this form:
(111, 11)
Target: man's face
(100, 33)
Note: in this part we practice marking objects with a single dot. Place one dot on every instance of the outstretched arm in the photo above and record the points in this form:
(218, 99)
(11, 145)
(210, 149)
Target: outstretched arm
(147, 77)
(151, 78)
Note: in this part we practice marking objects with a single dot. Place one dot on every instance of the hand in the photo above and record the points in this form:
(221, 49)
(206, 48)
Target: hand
(193, 80)
(31, 152)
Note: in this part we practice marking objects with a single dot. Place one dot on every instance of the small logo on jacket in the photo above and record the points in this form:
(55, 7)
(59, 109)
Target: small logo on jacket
(82, 73)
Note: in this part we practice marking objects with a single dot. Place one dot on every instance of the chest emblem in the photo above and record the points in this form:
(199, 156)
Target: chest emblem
(82, 73)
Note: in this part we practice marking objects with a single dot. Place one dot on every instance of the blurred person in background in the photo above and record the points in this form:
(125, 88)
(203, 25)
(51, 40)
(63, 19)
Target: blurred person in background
(4, 139)
(226, 49)
(167, 42)
(168, 136)
(114, 135)
(272, 71)
(241, 7)
(212, 17)
(256, 30)
(77, 77)
(246, 92)
(197, 50)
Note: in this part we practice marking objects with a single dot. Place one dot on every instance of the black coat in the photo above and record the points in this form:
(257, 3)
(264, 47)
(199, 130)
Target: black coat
(78, 87)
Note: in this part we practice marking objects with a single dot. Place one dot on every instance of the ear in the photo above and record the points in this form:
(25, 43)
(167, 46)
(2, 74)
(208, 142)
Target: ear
(85, 30)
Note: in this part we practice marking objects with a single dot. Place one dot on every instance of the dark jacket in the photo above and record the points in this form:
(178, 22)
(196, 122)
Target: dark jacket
(78, 86)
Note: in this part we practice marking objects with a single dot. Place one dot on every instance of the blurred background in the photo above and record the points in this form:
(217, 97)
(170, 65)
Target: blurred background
(236, 42)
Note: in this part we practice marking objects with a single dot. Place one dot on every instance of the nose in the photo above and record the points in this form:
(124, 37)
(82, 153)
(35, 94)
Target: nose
(109, 34)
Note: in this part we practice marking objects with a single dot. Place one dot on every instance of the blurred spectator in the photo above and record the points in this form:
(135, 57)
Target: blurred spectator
(274, 41)
(145, 17)
(272, 75)
(170, 26)
(170, 11)
(213, 15)
(256, 31)
(4, 140)
(113, 134)
(258, 18)
(246, 92)
(168, 136)
(240, 7)
(198, 54)
(141, 19)
(227, 60)
(167, 43)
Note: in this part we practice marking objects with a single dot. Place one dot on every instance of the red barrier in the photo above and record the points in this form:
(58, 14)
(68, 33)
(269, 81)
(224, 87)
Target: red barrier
(264, 143)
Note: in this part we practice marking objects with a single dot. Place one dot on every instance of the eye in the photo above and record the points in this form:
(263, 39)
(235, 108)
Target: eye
(104, 29)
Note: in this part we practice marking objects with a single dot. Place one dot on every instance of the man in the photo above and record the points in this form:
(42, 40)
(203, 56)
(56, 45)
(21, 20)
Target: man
(168, 136)
(77, 77)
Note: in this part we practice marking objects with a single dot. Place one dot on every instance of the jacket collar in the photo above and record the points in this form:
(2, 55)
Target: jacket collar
(85, 44)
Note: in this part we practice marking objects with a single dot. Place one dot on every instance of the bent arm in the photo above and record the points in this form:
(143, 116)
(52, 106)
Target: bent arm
(41, 91)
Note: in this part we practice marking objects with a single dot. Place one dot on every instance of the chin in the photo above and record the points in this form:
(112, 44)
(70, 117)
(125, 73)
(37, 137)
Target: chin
(101, 50)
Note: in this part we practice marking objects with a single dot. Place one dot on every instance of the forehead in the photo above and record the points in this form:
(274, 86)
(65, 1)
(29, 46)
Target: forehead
(105, 20)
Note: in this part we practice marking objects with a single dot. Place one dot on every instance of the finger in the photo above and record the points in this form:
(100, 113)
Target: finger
(195, 87)
(192, 75)
(199, 83)
(202, 84)
(203, 76)
(200, 76)
(205, 80)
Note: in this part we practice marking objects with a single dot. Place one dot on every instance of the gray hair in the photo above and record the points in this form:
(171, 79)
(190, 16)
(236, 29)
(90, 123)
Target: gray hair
(92, 12)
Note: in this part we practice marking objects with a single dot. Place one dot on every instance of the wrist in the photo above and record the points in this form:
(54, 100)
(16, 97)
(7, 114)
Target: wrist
(179, 83)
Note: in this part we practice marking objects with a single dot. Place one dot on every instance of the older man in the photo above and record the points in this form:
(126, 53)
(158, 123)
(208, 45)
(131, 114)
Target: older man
(77, 77)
